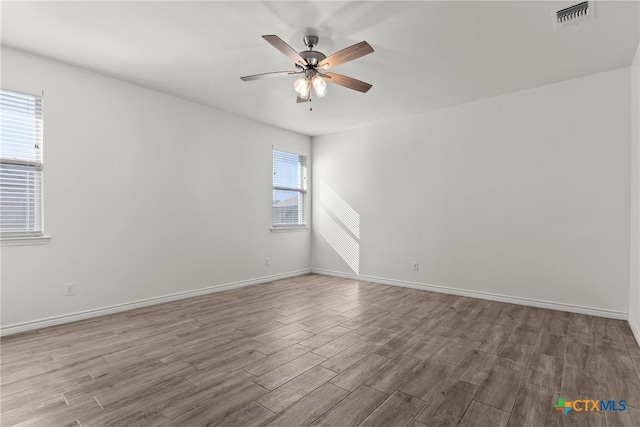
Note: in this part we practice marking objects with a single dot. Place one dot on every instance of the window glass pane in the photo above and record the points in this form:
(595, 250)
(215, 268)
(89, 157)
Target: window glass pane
(20, 127)
(288, 207)
(20, 189)
(286, 170)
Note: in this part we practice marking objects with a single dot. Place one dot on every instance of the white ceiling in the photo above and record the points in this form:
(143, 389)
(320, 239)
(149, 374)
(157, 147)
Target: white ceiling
(428, 54)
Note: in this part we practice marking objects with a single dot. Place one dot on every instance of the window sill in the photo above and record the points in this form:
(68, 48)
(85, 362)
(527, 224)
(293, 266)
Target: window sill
(287, 229)
(25, 241)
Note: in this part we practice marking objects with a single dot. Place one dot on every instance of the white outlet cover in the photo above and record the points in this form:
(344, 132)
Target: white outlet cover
(69, 289)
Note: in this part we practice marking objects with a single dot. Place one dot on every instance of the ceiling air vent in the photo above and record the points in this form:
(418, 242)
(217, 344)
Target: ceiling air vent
(573, 14)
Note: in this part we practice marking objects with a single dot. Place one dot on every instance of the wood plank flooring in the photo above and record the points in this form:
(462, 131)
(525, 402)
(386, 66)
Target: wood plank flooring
(321, 351)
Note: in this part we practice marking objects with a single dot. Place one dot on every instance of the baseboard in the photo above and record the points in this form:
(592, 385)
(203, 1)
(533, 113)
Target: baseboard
(74, 317)
(635, 329)
(482, 295)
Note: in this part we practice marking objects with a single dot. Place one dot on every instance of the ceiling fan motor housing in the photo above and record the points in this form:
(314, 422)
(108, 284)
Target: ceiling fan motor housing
(312, 57)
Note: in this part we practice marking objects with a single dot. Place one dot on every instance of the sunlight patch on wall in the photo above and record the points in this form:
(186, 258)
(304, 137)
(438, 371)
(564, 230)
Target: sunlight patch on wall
(341, 241)
(341, 209)
(340, 226)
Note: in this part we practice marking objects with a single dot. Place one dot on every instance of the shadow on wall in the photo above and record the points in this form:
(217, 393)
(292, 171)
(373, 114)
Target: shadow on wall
(340, 226)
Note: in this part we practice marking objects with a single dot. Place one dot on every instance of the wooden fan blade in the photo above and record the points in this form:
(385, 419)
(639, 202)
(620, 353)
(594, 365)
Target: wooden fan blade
(347, 54)
(349, 82)
(267, 75)
(279, 44)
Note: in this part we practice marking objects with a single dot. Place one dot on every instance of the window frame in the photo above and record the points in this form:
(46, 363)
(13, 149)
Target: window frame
(20, 238)
(303, 190)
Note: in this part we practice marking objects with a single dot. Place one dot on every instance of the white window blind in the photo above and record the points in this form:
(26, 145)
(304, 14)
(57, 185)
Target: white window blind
(289, 189)
(20, 164)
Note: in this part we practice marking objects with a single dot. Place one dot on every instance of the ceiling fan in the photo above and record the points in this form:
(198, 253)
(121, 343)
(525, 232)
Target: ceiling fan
(311, 62)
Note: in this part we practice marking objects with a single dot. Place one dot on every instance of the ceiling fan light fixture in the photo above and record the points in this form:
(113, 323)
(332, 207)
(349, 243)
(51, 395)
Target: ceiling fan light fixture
(302, 86)
(319, 85)
(310, 62)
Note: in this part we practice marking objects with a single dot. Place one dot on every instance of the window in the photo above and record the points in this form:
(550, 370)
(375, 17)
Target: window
(20, 164)
(289, 189)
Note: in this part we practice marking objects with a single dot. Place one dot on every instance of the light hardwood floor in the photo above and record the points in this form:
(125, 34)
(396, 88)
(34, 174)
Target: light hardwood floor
(322, 351)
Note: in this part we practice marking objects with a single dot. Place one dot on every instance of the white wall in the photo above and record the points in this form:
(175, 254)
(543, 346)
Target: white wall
(634, 285)
(146, 195)
(524, 195)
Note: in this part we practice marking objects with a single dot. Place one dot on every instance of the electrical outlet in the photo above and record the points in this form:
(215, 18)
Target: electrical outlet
(69, 289)
(266, 262)
(416, 266)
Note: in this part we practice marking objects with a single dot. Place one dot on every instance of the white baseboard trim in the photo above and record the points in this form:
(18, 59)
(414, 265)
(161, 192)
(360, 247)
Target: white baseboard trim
(635, 329)
(74, 317)
(482, 295)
